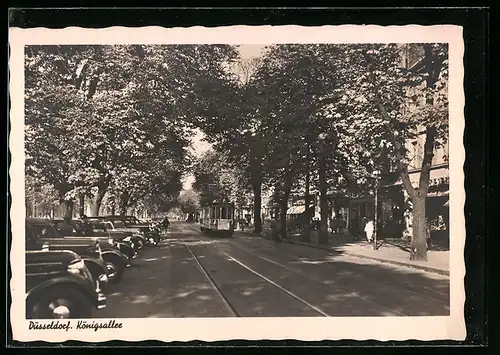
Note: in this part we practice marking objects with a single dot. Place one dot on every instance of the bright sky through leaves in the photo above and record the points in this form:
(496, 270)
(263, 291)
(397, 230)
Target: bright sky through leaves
(246, 51)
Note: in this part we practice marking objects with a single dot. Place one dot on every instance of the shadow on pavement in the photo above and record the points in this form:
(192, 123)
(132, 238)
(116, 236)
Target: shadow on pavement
(166, 282)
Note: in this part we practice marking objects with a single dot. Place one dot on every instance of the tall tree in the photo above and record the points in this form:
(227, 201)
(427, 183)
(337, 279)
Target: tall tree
(189, 202)
(395, 104)
(102, 117)
(296, 82)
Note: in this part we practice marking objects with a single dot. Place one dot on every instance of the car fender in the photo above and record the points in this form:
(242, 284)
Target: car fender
(63, 281)
(116, 255)
(124, 248)
(95, 266)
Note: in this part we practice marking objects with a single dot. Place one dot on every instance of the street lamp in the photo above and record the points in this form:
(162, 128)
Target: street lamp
(376, 175)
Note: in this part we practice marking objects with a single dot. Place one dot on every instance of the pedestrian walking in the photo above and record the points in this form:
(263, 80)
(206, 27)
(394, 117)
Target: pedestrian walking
(369, 229)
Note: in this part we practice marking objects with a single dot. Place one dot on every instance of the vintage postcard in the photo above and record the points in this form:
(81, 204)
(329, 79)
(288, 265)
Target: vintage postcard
(255, 183)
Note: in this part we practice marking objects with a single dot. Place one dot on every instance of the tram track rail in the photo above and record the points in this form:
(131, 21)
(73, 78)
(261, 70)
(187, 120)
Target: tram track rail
(291, 269)
(403, 287)
(224, 299)
(260, 276)
(298, 272)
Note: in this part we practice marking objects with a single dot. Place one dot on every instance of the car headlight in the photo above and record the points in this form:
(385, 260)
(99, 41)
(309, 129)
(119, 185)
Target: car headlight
(77, 267)
(98, 249)
(111, 241)
(127, 239)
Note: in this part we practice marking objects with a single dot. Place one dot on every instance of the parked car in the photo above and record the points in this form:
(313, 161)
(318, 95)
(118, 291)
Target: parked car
(119, 232)
(41, 234)
(59, 285)
(115, 239)
(150, 236)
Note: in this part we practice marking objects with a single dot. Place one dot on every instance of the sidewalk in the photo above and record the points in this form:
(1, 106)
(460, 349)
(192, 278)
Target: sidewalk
(437, 261)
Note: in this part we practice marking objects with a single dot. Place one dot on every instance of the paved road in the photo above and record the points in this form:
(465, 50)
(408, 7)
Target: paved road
(192, 275)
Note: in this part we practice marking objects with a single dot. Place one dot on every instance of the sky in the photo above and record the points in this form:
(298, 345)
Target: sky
(247, 51)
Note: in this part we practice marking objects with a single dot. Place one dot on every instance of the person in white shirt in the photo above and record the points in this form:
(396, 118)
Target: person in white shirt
(369, 229)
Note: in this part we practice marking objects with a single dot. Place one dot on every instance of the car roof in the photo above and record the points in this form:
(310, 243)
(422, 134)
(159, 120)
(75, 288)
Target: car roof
(38, 220)
(110, 217)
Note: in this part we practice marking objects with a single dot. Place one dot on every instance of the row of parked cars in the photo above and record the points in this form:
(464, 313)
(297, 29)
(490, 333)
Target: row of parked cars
(68, 271)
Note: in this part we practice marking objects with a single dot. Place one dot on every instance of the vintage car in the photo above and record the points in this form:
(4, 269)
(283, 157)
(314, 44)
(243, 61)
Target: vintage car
(118, 240)
(118, 232)
(150, 236)
(41, 234)
(59, 285)
(108, 240)
(115, 239)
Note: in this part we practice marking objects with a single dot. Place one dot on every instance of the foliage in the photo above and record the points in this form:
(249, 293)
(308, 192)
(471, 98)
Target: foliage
(216, 179)
(111, 118)
(189, 201)
(42, 195)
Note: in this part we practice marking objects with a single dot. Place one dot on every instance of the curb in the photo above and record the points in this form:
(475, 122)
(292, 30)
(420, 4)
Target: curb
(360, 256)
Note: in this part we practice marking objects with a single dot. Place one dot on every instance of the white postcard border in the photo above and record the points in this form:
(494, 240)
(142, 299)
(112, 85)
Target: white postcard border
(214, 329)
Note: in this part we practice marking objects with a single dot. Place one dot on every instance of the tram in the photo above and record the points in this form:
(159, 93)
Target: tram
(217, 219)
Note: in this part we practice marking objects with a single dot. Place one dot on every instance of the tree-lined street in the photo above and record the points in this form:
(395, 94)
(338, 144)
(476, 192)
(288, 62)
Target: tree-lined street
(316, 143)
(191, 275)
(113, 125)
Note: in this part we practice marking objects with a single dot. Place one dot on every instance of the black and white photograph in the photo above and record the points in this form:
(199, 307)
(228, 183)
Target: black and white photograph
(164, 180)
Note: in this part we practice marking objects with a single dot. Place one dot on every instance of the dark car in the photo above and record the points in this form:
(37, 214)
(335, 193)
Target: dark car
(59, 285)
(150, 236)
(118, 231)
(40, 234)
(115, 255)
(115, 240)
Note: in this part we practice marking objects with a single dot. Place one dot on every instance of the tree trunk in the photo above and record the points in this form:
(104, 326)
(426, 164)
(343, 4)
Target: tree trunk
(82, 204)
(419, 238)
(257, 198)
(306, 225)
(276, 202)
(283, 210)
(284, 205)
(96, 204)
(323, 202)
(124, 199)
(67, 208)
(419, 196)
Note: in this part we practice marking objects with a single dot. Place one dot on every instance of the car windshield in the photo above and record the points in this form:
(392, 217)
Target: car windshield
(44, 231)
(99, 227)
(119, 224)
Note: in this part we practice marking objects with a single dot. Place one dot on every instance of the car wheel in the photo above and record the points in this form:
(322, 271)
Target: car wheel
(59, 303)
(95, 270)
(115, 270)
(140, 244)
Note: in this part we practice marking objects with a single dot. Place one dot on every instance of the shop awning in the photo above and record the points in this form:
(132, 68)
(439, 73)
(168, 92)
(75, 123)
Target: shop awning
(296, 209)
(438, 194)
(398, 182)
